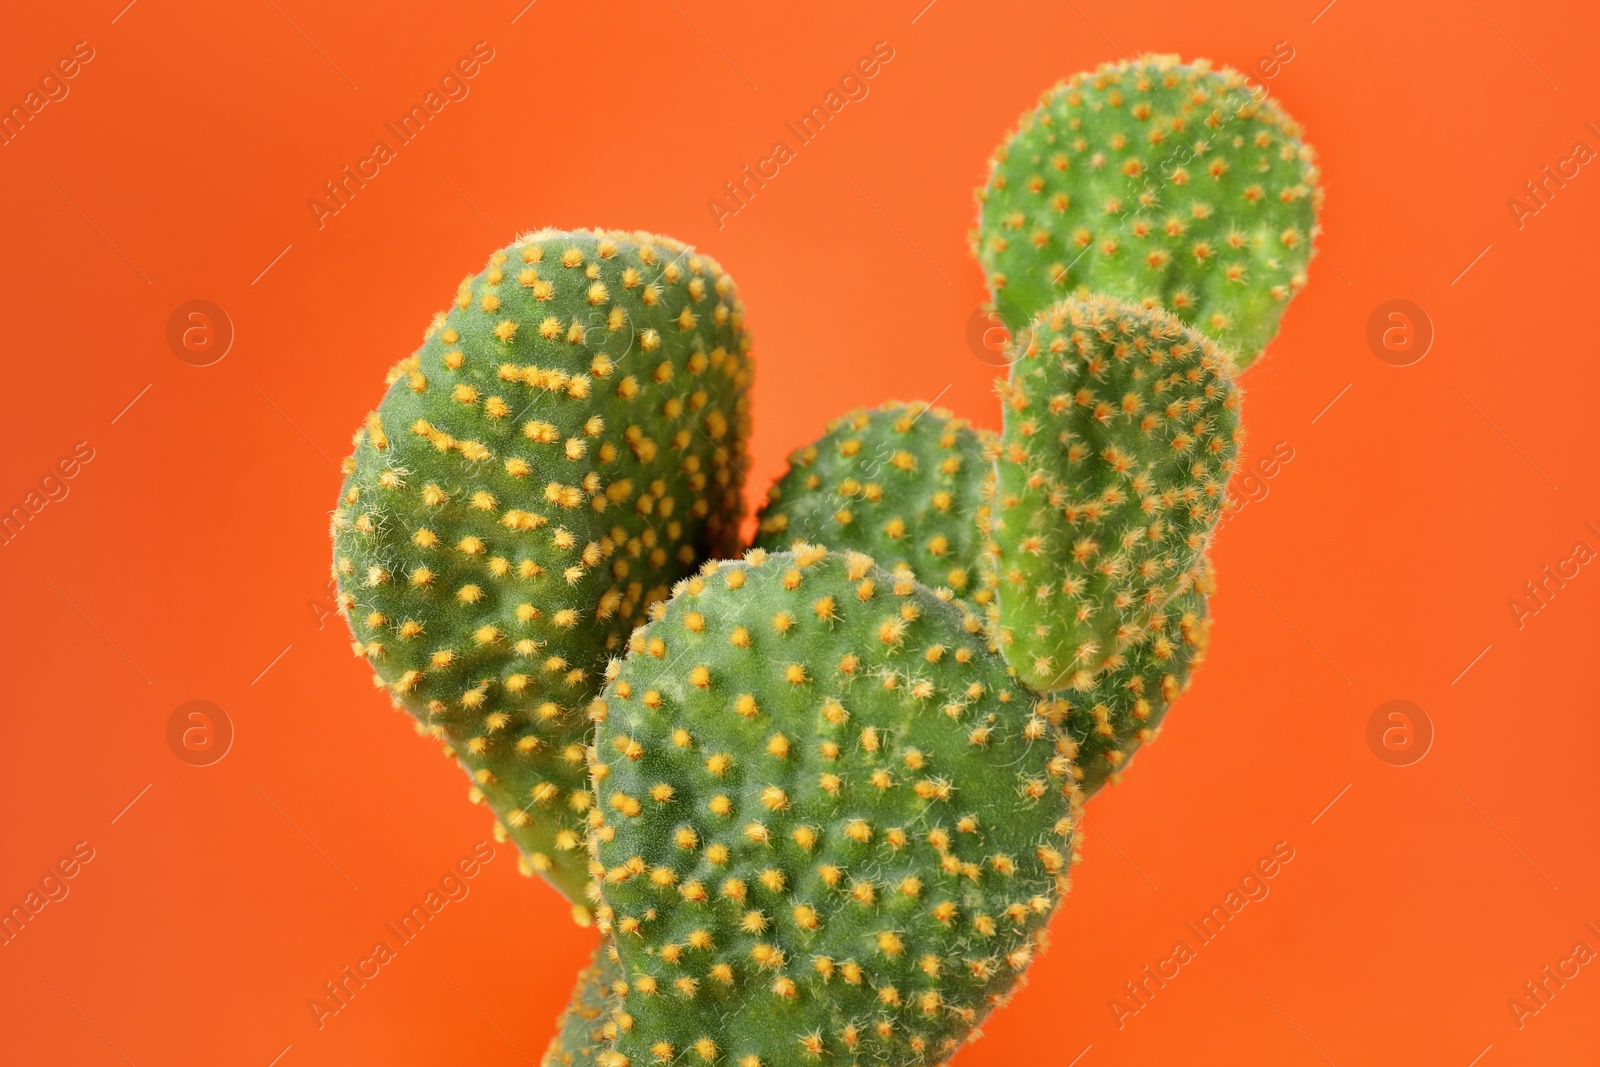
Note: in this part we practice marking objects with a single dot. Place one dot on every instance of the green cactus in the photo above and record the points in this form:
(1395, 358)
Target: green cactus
(830, 827)
(902, 484)
(568, 442)
(1176, 185)
(1121, 429)
(585, 1030)
(822, 809)
(846, 490)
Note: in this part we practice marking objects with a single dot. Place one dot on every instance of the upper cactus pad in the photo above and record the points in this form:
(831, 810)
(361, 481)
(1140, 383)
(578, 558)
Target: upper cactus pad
(568, 442)
(830, 826)
(1121, 427)
(901, 483)
(1174, 185)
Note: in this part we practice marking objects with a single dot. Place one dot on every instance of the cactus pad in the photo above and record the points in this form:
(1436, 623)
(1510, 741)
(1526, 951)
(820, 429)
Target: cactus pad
(1121, 428)
(1133, 691)
(586, 1028)
(830, 826)
(901, 483)
(1173, 185)
(568, 442)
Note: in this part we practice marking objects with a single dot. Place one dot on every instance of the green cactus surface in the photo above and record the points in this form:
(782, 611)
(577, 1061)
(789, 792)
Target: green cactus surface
(1174, 185)
(839, 490)
(567, 443)
(1121, 430)
(830, 826)
(1133, 690)
(902, 483)
(586, 1028)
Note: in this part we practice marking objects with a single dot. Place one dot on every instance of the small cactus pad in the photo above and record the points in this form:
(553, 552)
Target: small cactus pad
(586, 1028)
(902, 484)
(1121, 428)
(568, 442)
(1131, 695)
(830, 827)
(1169, 184)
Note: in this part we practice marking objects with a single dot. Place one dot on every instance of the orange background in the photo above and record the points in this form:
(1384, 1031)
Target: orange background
(192, 550)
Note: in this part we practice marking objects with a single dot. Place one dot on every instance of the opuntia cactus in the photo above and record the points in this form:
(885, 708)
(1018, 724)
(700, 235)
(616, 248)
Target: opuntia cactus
(902, 483)
(1121, 428)
(826, 801)
(1174, 185)
(830, 825)
(568, 442)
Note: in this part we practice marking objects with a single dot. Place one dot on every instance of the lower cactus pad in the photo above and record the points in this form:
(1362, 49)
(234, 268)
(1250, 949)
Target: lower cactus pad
(830, 827)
